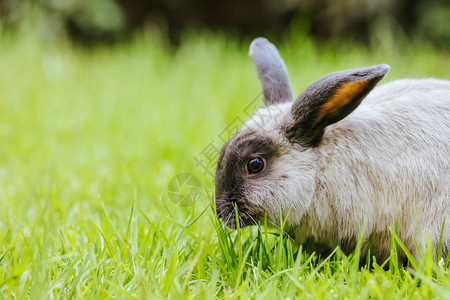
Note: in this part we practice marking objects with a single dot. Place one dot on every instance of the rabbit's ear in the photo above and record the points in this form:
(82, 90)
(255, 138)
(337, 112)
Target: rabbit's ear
(272, 72)
(330, 99)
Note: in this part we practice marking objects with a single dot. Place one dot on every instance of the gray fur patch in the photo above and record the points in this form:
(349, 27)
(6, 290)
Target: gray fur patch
(272, 72)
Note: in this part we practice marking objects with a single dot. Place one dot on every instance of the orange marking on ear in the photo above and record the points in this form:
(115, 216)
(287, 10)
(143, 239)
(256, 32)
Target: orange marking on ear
(343, 95)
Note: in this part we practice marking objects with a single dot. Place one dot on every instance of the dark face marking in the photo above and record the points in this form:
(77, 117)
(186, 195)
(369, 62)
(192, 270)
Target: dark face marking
(231, 175)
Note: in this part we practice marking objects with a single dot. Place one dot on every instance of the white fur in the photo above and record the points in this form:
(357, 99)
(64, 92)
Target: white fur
(387, 161)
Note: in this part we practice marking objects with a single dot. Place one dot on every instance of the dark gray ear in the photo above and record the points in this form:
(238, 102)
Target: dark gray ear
(271, 72)
(330, 99)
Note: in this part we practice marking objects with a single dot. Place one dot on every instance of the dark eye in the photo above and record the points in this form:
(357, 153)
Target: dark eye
(255, 165)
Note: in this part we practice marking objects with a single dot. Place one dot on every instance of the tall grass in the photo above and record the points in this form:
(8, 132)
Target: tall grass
(90, 139)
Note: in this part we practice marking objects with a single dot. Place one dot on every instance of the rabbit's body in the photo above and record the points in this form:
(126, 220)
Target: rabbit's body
(337, 167)
(387, 161)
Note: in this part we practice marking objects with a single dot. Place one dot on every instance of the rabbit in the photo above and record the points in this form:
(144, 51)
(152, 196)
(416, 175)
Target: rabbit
(342, 157)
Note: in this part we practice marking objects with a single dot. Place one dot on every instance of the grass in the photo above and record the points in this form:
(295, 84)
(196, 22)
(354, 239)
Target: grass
(90, 139)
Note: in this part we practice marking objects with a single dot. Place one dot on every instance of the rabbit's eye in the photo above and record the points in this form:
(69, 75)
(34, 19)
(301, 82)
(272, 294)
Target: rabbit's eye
(255, 165)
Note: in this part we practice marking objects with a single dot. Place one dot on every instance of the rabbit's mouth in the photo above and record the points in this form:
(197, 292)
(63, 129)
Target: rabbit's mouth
(246, 215)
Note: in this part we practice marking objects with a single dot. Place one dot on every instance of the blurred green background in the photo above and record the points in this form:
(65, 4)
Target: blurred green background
(347, 20)
(103, 102)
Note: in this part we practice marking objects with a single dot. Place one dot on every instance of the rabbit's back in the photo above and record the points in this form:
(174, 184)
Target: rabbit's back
(415, 92)
(390, 161)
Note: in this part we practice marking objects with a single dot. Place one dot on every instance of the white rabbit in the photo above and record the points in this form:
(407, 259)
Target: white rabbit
(337, 162)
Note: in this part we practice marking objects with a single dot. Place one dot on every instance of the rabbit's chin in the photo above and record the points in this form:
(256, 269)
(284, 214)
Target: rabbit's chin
(247, 215)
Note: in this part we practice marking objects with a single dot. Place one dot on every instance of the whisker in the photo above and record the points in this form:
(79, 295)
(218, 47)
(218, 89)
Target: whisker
(224, 225)
(241, 221)
(281, 230)
(228, 218)
(253, 220)
(221, 212)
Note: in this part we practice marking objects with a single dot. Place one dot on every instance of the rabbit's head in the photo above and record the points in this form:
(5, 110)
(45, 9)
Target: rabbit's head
(269, 167)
